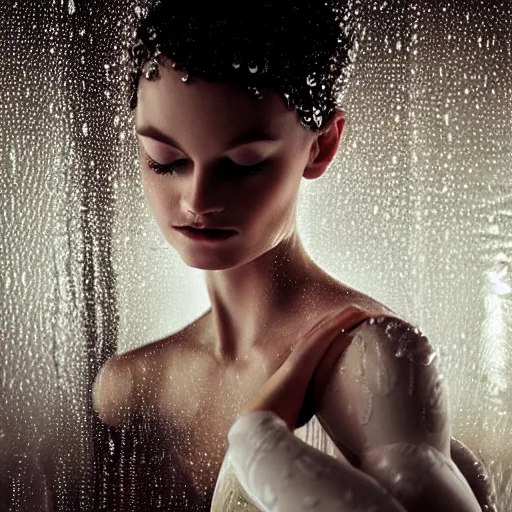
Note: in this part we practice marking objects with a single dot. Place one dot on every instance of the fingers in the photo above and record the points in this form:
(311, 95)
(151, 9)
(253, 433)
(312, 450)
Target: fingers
(284, 391)
(311, 347)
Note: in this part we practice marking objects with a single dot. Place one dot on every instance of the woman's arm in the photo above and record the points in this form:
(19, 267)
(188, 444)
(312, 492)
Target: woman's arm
(386, 399)
(114, 391)
(281, 473)
(386, 396)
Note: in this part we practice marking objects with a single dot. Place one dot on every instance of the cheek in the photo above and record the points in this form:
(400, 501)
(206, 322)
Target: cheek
(286, 184)
(160, 196)
(275, 197)
(149, 183)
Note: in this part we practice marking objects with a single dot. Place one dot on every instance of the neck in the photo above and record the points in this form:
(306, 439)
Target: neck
(251, 300)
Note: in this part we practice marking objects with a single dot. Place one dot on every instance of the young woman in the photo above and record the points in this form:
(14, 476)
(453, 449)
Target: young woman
(234, 106)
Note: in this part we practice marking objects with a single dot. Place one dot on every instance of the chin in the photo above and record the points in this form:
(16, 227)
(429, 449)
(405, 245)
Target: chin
(205, 260)
(207, 265)
(216, 258)
(218, 261)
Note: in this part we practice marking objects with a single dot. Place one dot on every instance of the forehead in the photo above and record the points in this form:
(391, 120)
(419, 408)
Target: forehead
(209, 112)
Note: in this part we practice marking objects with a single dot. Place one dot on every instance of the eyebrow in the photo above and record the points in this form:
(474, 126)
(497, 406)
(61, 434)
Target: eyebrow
(245, 138)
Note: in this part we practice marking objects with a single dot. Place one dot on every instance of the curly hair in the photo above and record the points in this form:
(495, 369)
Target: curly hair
(303, 50)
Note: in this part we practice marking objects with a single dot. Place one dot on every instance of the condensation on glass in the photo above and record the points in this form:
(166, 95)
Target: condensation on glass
(415, 211)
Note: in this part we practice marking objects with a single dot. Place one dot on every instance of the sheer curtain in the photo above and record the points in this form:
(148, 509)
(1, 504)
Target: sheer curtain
(416, 211)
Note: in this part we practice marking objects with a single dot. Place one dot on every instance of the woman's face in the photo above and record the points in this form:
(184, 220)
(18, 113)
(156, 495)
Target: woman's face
(213, 133)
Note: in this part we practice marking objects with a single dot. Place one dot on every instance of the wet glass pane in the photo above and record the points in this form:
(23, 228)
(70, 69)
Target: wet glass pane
(415, 211)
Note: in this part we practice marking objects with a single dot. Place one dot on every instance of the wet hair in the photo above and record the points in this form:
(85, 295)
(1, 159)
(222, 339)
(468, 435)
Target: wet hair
(303, 50)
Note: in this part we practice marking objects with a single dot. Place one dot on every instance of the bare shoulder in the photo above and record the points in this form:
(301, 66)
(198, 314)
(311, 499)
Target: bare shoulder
(337, 295)
(113, 390)
(385, 388)
(126, 378)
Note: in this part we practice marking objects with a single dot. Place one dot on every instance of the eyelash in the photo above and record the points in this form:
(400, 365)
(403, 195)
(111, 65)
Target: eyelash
(250, 170)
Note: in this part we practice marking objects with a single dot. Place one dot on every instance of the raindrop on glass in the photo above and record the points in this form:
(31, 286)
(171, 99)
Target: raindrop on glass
(152, 71)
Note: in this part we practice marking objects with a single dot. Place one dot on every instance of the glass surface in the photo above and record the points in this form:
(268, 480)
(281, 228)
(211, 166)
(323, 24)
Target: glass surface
(416, 211)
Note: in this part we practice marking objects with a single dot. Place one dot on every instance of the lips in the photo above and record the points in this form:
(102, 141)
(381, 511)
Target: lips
(206, 233)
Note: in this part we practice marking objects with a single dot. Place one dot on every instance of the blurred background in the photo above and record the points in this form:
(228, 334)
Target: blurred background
(415, 211)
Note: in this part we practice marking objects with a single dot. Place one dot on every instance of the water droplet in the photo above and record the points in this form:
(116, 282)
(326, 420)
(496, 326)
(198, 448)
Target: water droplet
(152, 70)
(254, 91)
(427, 361)
(318, 120)
(311, 81)
(434, 415)
(385, 377)
(253, 69)
(185, 77)
(236, 65)
(152, 35)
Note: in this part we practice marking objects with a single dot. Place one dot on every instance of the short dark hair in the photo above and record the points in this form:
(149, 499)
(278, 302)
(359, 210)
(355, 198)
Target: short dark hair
(303, 50)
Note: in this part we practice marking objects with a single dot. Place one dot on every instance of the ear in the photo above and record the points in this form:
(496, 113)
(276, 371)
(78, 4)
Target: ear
(324, 147)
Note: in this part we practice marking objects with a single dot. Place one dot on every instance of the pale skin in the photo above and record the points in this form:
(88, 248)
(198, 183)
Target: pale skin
(265, 290)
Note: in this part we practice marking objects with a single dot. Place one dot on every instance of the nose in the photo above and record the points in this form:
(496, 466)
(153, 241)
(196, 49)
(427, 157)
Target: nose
(201, 194)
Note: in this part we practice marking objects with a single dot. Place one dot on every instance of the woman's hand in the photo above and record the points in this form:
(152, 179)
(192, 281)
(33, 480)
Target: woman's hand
(284, 392)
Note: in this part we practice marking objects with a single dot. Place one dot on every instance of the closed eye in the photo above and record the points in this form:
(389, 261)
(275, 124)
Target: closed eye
(228, 163)
(164, 168)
